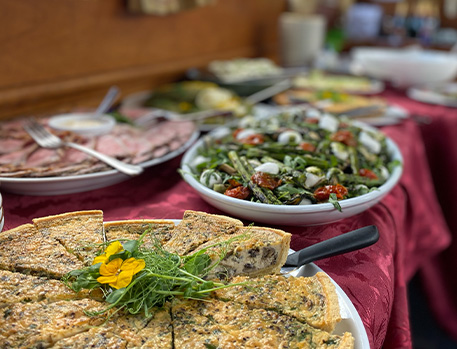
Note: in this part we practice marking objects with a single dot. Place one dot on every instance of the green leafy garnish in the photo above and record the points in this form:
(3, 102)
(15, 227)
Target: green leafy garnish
(137, 278)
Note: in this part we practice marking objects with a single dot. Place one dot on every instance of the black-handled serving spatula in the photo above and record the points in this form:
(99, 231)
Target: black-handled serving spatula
(340, 244)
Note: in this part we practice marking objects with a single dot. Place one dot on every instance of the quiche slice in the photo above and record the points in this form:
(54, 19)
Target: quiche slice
(161, 230)
(97, 337)
(253, 251)
(125, 331)
(41, 324)
(25, 249)
(308, 299)
(17, 288)
(81, 232)
(158, 333)
(197, 228)
(218, 324)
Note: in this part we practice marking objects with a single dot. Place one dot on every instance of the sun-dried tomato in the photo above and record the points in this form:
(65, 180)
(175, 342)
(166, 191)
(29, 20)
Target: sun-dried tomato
(323, 193)
(239, 192)
(364, 172)
(265, 180)
(312, 120)
(253, 139)
(308, 146)
(345, 137)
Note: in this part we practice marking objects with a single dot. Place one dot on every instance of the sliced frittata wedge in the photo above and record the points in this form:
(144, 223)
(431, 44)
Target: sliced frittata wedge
(255, 251)
(158, 333)
(161, 230)
(17, 287)
(126, 331)
(81, 233)
(197, 228)
(308, 299)
(25, 249)
(218, 324)
(41, 324)
(97, 337)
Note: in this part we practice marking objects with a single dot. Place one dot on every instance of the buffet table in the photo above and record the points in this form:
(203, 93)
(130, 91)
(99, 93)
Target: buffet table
(413, 229)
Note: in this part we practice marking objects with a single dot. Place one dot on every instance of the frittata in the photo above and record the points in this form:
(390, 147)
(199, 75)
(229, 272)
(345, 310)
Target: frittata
(309, 299)
(268, 311)
(219, 324)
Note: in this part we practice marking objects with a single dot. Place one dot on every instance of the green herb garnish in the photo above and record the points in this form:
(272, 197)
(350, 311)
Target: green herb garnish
(137, 278)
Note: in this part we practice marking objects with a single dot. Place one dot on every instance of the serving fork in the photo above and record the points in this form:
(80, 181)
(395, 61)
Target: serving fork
(46, 139)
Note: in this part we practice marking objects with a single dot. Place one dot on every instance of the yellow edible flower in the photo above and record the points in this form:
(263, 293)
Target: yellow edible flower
(113, 248)
(119, 273)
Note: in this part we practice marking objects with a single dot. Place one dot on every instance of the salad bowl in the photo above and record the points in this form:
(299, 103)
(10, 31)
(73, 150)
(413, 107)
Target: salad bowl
(284, 214)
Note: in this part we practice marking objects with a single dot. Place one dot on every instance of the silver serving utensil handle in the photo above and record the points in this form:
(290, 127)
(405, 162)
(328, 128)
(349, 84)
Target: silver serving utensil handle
(340, 244)
(107, 101)
(269, 92)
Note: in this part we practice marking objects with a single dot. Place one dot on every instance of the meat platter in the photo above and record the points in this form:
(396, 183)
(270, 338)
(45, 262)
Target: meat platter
(25, 168)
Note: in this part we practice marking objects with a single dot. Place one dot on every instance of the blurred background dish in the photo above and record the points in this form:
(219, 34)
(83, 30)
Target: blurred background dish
(404, 67)
(374, 111)
(87, 124)
(185, 99)
(441, 94)
(243, 82)
(319, 80)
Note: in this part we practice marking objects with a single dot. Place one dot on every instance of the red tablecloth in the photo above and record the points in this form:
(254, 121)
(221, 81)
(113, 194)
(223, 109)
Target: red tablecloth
(439, 135)
(409, 219)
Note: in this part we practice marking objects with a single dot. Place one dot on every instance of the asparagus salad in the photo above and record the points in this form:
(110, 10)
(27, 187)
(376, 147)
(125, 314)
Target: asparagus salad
(293, 159)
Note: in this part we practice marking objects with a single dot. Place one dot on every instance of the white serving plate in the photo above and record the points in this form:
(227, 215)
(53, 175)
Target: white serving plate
(431, 94)
(47, 186)
(297, 215)
(394, 115)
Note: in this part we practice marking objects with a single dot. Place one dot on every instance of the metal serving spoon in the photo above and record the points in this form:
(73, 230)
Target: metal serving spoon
(340, 244)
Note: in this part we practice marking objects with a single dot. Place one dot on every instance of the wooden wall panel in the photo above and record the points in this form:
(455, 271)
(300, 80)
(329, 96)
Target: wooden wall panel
(58, 54)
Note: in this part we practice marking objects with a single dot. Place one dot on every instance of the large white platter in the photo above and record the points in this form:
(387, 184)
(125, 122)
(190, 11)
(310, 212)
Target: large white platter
(80, 183)
(302, 215)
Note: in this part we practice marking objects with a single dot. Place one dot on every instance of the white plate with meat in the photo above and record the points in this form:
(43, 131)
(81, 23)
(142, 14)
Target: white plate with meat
(27, 169)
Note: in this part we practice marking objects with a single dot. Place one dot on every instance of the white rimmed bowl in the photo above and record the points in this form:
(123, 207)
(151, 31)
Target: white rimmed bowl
(87, 124)
(300, 215)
